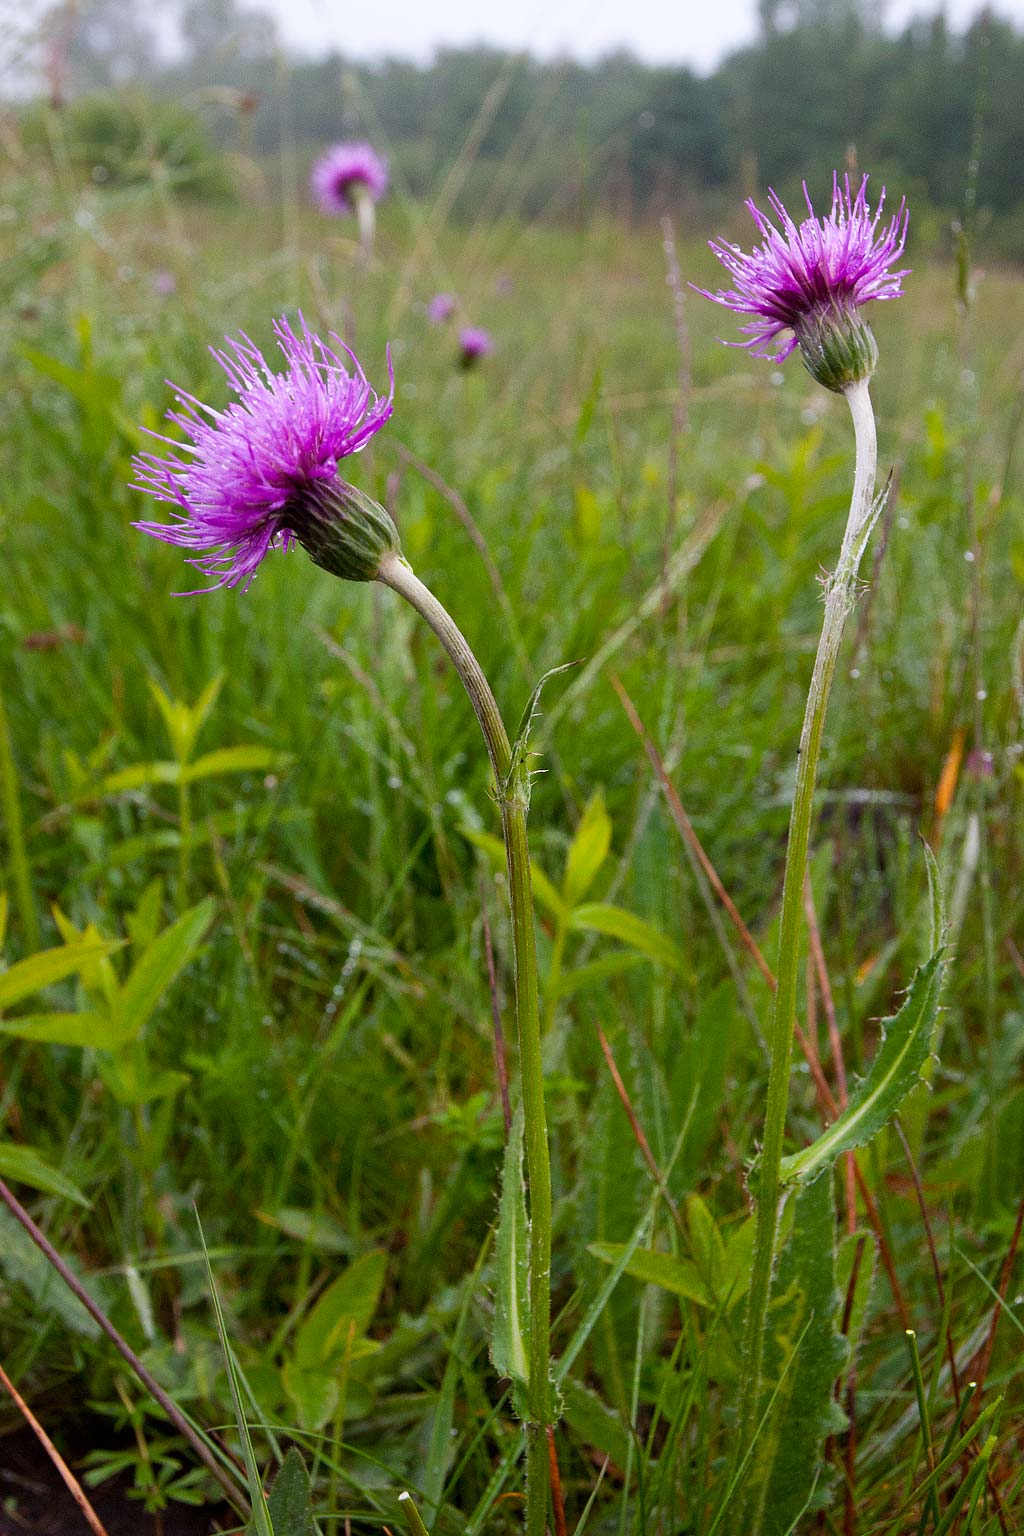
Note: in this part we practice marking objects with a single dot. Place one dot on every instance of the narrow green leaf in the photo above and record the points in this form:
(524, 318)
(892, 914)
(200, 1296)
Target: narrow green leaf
(260, 1523)
(615, 963)
(25, 1166)
(518, 778)
(680, 1276)
(137, 776)
(290, 1502)
(345, 1308)
(587, 851)
(804, 1354)
(159, 965)
(897, 1067)
(511, 1326)
(48, 967)
(241, 759)
(91, 1031)
(617, 923)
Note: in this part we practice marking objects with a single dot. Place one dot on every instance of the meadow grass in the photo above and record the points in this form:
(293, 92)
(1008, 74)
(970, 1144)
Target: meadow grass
(337, 1110)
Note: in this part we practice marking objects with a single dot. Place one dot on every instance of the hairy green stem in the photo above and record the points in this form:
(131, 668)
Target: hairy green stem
(398, 575)
(840, 593)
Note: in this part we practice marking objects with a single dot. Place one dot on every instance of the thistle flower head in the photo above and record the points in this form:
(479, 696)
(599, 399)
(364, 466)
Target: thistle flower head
(811, 279)
(441, 308)
(263, 472)
(474, 343)
(346, 172)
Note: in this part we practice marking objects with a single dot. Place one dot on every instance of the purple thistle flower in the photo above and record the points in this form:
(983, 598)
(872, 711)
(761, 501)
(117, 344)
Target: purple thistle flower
(474, 343)
(346, 170)
(263, 472)
(811, 279)
(441, 308)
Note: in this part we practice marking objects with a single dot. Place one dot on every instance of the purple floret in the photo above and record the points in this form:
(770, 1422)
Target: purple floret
(801, 272)
(338, 174)
(237, 486)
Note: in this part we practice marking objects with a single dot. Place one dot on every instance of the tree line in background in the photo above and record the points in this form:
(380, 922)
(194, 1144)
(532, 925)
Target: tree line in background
(920, 107)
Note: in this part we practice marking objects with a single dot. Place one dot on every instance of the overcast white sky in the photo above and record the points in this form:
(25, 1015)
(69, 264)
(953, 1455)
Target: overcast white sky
(694, 32)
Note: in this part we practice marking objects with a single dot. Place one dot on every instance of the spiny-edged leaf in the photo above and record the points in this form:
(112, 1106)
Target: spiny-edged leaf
(617, 923)
(290, 1501)
(615, 963)
(544, 891)
(897, 1067)
(23, 1264)
(92, 1031)
(159, 965)
(517, 781)
(340, 1318)
(587, 851)
(48, 967)
(680, 1276)
(260, 1523)
(597, 1425)
(511, 1327)
(25, 1166)
(804, 1354)
(242, 759)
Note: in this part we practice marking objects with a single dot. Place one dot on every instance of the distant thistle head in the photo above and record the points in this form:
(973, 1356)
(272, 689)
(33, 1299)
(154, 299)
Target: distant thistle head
(345, 173)
(812, 280)
(263, 473)
(474, 343)
(441, 308)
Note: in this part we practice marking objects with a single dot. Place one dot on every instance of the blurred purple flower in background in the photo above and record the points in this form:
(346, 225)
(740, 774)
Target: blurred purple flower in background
(474, 343)
(164, 283)
(441, 308)
(346, 173)
(264, 471)
(811, 279)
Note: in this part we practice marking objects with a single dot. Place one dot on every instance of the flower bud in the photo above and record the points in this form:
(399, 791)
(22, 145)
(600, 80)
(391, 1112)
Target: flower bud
(343, 530)
(837, 345)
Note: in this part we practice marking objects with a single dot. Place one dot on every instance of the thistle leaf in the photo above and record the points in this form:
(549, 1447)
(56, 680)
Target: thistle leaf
(518, 778)
(511, 1293)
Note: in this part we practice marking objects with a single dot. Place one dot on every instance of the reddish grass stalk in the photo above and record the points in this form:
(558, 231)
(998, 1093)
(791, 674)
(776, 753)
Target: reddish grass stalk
(985, 1353)
(936, 1269)
(556, 1485)
(69, 1479)
(232, 1492)
(637, 1129)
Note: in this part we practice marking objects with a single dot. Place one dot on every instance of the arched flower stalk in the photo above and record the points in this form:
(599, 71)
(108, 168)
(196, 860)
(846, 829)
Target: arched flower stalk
(264, 474)
(351, 178)
(805, 286)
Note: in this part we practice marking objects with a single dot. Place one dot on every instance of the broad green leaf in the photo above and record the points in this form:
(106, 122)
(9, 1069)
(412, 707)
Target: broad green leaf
(617, 923)
(511, 1326)
(897, 1067)
(680, 1276)
(90, 1031)
(804, 1354)
(314, 1391)
(344, 1310)
(290, 1502)
(48, 967)
(545, 893)
(159, 965)
(706, 1243)
(242, 759)
(25, 1166)
(588, 850)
